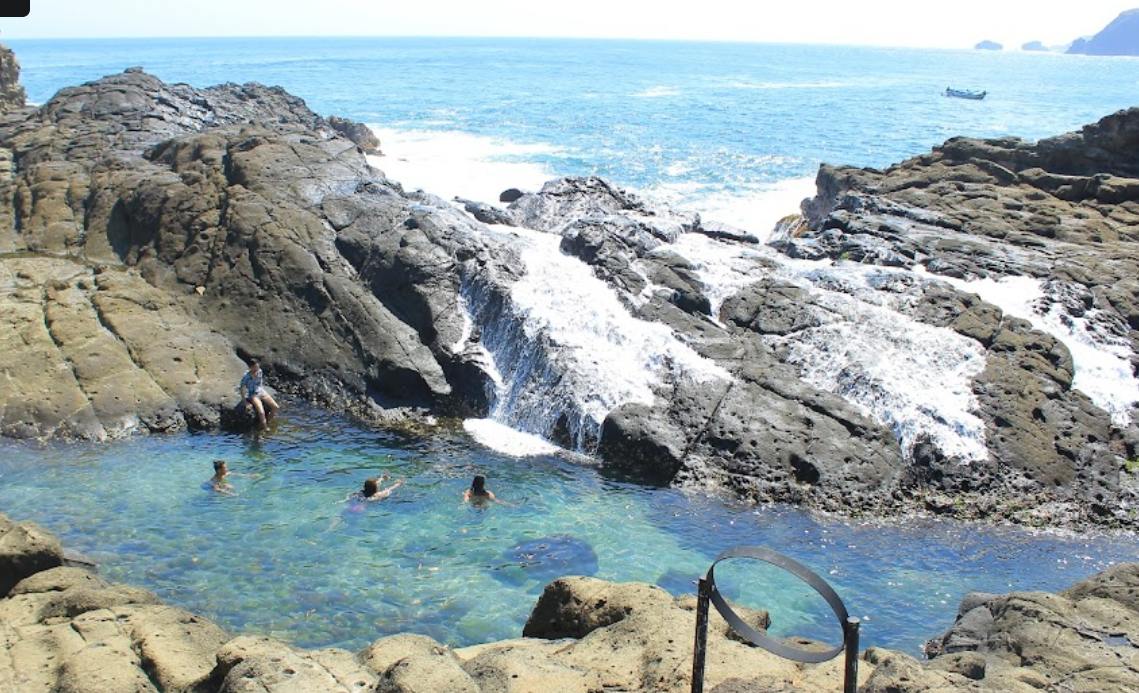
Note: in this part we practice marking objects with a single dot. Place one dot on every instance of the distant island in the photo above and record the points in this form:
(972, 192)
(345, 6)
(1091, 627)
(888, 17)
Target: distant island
(1120, 37)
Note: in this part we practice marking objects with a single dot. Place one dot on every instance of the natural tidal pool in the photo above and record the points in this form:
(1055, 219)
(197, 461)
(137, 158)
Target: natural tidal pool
(287, 557)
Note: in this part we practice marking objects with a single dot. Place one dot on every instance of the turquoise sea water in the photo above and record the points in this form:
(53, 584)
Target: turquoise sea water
(288, 557)
(720, 128)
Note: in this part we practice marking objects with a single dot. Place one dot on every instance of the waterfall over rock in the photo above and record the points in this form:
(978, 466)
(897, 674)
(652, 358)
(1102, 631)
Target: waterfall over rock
(568, 351)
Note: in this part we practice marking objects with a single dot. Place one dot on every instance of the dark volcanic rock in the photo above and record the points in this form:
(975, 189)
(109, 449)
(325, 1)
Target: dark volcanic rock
(183, 230)
(1064, 211)
(153, 236)
(357, 132)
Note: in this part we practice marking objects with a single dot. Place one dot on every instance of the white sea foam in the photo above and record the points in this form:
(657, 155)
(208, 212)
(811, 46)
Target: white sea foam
(723, 268)
(754, 211)
(455, 164)
(506, 440)
(1102, 361)
(911, 377)
(657, 92)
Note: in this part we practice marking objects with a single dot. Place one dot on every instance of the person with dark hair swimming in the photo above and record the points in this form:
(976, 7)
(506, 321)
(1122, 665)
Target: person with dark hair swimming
(218, 481)
(372, 491)
(478, 493)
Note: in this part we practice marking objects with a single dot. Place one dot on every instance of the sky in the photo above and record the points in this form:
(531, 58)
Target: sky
(958, 24)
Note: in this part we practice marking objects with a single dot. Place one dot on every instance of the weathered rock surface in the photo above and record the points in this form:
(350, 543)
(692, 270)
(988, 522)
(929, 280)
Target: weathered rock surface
(25, 549)
(156, 235)
(12, 96)
(1063, 211)
(66, 629)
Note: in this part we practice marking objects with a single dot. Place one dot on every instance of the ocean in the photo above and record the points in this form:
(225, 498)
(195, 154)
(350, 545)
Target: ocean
(733, 131)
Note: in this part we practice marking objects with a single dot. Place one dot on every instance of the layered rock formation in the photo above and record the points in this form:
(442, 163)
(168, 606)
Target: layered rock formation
(67, 630)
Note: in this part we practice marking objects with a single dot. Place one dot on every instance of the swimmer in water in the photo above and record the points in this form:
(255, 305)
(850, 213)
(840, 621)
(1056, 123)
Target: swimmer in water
(372, 491)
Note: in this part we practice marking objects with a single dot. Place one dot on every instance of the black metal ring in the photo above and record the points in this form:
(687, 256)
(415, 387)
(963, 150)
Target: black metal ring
(799, 570)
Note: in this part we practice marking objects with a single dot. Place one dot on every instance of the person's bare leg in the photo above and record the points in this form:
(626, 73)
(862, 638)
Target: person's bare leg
(260, 410)
(272, 404)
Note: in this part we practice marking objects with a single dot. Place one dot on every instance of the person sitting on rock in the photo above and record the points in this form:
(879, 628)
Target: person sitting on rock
(371, 490)
(253, 393)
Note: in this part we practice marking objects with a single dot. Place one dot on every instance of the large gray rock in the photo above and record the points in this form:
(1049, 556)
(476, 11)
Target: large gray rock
(1087, 633)
(260, 665)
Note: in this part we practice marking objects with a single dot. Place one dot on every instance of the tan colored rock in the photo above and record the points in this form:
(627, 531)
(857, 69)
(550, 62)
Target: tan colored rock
(427, 673)
(178, 648)
(260, 665)
(12, 96)
(98, 353)
(409, 663)
(573, 607)
(521, 669)
(25, 549)
(103, 668)
(34, 654)
(647, 640)
(58, 580)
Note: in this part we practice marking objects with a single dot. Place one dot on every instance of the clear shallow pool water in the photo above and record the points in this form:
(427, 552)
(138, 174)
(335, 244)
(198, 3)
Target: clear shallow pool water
(288, 558)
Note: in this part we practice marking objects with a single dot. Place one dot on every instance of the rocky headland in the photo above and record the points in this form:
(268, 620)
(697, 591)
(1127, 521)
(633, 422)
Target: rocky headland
(152, 236)
(1120, 37)
(65, 629)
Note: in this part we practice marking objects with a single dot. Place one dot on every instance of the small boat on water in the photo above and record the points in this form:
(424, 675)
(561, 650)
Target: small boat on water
(965, 93)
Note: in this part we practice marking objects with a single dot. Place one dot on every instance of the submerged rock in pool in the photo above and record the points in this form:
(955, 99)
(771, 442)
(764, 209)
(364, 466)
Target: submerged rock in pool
(546, 559)
(677, 582)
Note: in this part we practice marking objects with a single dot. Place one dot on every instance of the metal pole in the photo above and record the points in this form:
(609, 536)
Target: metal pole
(850, 643)
(699, 648)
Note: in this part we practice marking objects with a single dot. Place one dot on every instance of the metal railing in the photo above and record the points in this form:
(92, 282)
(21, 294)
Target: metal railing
(709, 594)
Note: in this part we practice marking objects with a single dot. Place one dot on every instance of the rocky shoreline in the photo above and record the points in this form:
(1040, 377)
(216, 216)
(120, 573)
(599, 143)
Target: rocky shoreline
(153, 236)
(66, 630)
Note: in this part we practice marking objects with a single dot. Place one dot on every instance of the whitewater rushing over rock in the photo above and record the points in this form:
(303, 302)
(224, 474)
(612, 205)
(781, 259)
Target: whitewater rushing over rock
(1097, 340)
(861, 345)
(567, 351)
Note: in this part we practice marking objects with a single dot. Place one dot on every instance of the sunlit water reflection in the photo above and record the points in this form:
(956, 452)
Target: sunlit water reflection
(289, 558)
